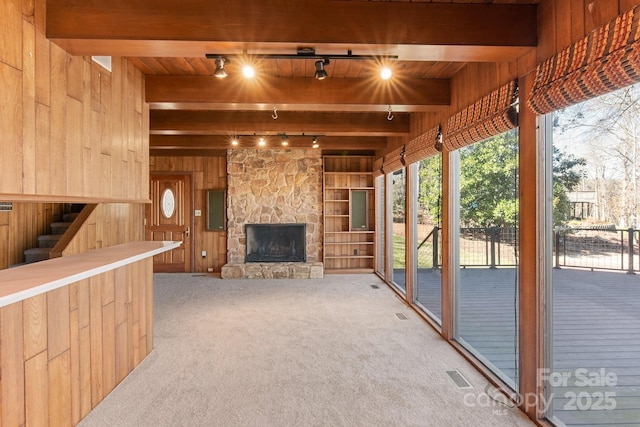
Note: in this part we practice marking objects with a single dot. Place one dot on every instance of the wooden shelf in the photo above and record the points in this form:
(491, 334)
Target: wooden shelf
(348, 206)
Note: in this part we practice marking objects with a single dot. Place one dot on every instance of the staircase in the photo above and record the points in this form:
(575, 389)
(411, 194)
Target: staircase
(46, 242)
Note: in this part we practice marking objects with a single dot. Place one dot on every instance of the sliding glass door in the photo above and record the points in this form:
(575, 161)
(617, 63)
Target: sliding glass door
(398, 231)
(487, 277)
(428, 251)
(593, 151)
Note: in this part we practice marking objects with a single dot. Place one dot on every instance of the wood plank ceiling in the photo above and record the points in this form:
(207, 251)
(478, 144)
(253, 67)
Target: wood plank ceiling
(194, 113)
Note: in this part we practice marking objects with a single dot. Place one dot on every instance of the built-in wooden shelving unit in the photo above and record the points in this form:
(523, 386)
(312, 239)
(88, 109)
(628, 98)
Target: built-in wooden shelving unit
(348, 214)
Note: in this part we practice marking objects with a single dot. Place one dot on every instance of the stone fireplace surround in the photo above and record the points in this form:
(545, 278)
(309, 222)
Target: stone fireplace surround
(277, 186)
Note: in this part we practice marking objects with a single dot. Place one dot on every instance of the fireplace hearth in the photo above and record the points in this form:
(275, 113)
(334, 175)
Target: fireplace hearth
(276, 242)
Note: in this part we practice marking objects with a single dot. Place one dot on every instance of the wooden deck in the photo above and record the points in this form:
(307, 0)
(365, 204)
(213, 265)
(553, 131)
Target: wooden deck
(596, 329)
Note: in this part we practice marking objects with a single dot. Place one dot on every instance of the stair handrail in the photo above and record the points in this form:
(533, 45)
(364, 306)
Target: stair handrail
(62, 244)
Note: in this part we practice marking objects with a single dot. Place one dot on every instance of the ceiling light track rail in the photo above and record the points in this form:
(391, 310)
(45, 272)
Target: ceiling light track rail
(304, 54)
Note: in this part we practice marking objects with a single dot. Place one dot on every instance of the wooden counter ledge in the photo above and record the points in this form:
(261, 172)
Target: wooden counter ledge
(19, 283)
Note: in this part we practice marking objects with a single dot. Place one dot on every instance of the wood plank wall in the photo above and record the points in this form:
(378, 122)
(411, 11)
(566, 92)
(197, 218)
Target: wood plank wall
(209, 173)
(20, 228)
(110, 224)
(64, 351)
(70, 128)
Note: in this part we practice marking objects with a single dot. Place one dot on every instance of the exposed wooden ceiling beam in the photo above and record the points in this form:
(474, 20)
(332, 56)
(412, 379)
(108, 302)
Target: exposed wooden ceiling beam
(198, 143)
(185, 122)
(308, 94)
(460, 32)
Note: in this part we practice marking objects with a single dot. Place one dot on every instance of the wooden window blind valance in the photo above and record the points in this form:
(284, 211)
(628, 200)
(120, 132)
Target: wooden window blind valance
(606, 59)
(492, 115)
(422, 147)
(394, 160)
(377, 168)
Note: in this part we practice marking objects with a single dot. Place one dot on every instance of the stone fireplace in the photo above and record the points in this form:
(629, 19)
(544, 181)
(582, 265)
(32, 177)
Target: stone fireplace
(269, 189)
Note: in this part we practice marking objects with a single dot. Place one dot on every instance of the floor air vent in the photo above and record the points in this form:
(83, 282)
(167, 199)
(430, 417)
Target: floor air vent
(458, 379)
(401, 316)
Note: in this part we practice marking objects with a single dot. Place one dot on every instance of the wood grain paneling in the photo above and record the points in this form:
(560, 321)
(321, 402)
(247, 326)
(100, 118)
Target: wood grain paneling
(61, 352)
(50, 121)
(95, 292)
(36, 379)
(11, 366)
(58, 321)
(209, 173)
(11, 23)
(35, 325)
(28, 105)
(60, 390)
(11, 125)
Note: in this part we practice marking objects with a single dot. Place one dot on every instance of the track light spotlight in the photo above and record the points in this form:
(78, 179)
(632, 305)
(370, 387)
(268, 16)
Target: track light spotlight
(220, 71)
(385, 73)
(315, 142)
(321, 74)
(248, 71)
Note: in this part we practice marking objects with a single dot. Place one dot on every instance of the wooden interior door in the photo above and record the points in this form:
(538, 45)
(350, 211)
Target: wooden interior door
(168, 218)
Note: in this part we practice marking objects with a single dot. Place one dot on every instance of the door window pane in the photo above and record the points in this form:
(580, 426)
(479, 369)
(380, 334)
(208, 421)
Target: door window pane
(380, 225)
(428, 292)
(487, 280)
(399, 204)
(593, 378)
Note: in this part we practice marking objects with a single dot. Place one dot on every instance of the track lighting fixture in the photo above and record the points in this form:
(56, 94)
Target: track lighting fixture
(266, 139)
(220, 71)
(301, 53)
(321, 73)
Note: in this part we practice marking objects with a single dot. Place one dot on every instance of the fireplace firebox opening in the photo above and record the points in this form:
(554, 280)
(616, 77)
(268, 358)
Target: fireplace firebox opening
(276, 242)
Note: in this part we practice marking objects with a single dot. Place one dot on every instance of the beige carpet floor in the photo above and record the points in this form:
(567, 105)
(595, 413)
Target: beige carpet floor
(318, 352)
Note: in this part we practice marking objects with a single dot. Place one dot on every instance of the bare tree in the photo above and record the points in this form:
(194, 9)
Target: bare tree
(606, 132)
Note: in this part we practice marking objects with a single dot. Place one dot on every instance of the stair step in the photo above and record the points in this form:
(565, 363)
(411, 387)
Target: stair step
(69, 217)
(48, 240)
(36, 254)
(59, 227)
